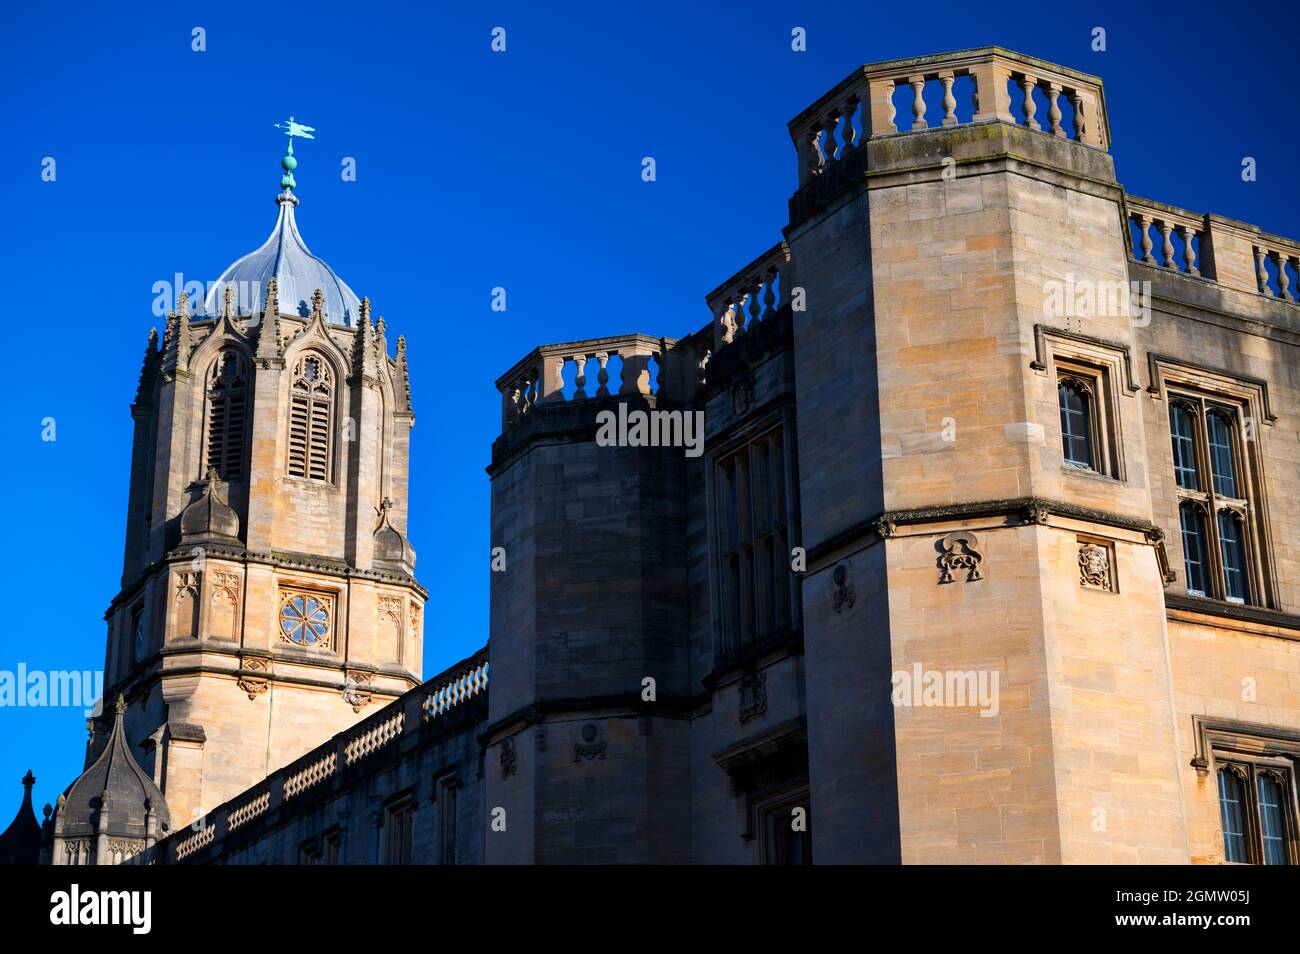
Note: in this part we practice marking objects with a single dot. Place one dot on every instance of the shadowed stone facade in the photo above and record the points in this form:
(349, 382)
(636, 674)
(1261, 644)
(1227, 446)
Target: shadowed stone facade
(980, 414)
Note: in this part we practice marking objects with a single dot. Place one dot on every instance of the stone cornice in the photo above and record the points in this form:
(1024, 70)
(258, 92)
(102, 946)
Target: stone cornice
(1020, 511)
(1236, 612)
(624, 703)
(286, 560)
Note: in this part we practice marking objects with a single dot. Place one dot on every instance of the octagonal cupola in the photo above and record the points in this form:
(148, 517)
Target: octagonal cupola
(285, 257)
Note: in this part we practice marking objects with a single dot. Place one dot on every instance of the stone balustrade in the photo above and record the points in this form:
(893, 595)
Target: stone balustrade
(1154, 228)
(753, 293)
(374, 738)
(460, 688)
(421, 706)
(645, 365)
(1282, 279)
(862, 106)
(1222, 250)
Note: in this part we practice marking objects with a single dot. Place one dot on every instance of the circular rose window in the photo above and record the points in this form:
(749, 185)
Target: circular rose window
(305, 621)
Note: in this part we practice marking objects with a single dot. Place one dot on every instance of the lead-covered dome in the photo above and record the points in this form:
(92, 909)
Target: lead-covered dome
(298, 273)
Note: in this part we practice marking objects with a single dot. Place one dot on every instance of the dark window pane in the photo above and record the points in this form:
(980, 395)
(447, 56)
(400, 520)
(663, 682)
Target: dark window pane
(1271, 820)
(1076, 437)
(1193, 530)
(1222, 463)
(1233, 815)
(1182, 429)
(1233, 547)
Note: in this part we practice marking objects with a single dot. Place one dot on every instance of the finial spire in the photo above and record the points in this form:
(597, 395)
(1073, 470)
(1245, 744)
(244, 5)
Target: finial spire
(268, 332)
(289, 163)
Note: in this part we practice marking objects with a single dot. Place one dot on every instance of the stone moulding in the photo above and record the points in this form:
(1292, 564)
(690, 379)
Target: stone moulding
(1019, 511)
(1211, 733)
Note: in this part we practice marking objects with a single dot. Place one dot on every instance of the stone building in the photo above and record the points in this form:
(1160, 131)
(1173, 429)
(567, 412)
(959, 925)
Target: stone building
(990, 552)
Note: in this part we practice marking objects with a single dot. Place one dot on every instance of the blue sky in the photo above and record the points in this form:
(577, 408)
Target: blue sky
(474, 169)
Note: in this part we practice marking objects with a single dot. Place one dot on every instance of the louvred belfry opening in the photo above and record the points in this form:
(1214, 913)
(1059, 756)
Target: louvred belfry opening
(227, 415)
(310, 413)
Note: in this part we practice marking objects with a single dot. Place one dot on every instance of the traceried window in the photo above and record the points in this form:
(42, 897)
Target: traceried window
(754, 545)
(1076, 400)
(311, 416)
(227, 412)
(1215, 511)
(1182, 428)
(1257, 810)
(399, 827)
(448, 789)
(306, 619)
(330, 847)
(137, 633)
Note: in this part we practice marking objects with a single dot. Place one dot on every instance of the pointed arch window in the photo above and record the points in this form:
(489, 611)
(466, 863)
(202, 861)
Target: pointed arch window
(1223, 463)
(1075, 399)
(1182, 428)
(1232, 813)
(227, 415)
(1257, 810)
(311, 419)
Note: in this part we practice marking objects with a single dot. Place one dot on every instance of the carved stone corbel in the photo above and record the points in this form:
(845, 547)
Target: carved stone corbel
(1038, 513)
(254, 675)
(357, 691)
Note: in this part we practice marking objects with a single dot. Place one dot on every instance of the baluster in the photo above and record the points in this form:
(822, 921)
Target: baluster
(1054, 110)
(1283, 279)
(918, 101)
(738, 313)
(602, 376)
(1295, 264)
(1189, 253)
(849, 134)
(726, 324)
(831, 147)
(1029, 107)
(769, 295)
(949, 103)
(1080, 121)
(878, 111)
(1261, 273)
(1166, 229)
(755, 303)
(580, 378)
(811, 155)
(1144, 224)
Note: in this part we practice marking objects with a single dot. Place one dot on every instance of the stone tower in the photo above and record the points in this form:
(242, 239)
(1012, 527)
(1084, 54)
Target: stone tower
(592, 603)
(928, 372)
(267, 590)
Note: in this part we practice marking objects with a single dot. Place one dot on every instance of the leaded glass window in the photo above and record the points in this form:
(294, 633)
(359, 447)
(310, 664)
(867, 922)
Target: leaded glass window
(306, 619)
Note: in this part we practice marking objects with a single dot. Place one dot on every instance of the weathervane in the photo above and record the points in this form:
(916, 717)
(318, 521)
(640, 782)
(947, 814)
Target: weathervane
(289, 163)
